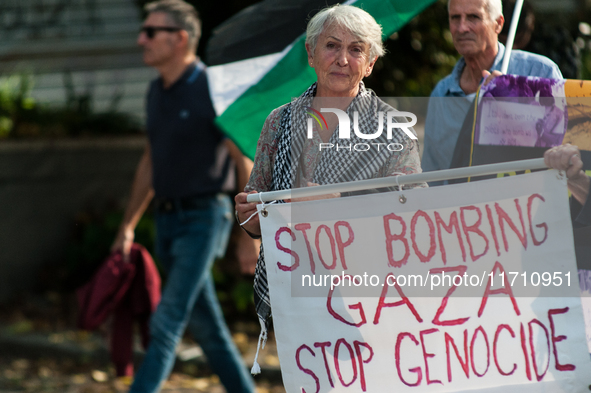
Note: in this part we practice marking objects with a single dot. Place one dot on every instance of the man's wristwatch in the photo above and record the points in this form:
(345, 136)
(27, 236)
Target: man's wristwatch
(252, 235)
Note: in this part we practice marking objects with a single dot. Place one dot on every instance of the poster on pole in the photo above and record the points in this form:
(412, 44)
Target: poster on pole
(519, 117)
(463, 288)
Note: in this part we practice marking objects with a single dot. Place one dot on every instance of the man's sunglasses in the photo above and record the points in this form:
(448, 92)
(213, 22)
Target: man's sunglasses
(151, 30)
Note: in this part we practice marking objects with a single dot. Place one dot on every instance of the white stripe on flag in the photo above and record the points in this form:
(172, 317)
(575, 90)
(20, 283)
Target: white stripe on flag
(229, 81)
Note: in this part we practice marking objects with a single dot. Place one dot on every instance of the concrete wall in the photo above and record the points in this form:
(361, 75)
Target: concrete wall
(43, 185)
(93, 40)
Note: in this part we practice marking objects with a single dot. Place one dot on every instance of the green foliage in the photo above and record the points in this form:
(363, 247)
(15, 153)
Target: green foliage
(583, 45)
(555, 42)
(93, 234)
(21, 116)
(14, 99)
(234, 290)
(417, 57)
(586, 64)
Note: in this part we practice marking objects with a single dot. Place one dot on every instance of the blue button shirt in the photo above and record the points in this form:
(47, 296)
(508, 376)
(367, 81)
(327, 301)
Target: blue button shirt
(449, 104)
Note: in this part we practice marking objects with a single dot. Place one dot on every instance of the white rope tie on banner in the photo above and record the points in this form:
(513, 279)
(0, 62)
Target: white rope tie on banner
(263, 210)
(511, 35)
(248, 219)
(401, 198)
(256, 368)
(382, 182)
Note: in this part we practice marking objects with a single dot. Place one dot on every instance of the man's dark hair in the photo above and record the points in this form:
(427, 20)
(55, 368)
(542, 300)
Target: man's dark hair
(182, 15)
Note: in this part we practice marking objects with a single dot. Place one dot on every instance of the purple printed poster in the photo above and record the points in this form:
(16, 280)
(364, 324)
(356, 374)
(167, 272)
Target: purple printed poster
(521, 111)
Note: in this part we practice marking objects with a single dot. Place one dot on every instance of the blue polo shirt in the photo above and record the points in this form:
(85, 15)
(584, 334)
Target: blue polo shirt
(189, 157)
(446, 115)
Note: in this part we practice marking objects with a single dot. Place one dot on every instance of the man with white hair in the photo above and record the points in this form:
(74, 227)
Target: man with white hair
(474, 26)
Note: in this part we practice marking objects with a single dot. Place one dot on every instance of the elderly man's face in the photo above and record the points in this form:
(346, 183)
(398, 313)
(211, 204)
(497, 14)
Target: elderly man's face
(471, 27)
(340, 61)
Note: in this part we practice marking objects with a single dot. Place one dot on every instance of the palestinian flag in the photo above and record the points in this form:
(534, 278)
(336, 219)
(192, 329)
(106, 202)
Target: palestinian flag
(258, 61)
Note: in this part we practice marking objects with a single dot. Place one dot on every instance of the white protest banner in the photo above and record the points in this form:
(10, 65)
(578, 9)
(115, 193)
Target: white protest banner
(462, 288)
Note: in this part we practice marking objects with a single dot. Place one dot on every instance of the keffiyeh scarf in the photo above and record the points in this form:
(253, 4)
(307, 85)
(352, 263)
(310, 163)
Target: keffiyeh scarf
(335, 166)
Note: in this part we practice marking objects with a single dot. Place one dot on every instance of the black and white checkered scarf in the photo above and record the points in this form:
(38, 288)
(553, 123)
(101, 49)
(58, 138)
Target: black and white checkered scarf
(335, 166)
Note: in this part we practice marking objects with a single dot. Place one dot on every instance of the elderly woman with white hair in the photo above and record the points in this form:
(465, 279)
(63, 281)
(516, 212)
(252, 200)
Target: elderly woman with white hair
(343, 45)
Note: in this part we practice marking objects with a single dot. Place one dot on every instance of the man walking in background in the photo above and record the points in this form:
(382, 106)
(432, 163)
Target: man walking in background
(187, 168)
(475, 26)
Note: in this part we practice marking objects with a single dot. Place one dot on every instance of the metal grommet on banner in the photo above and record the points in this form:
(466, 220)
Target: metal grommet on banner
(401, 198)
(264, 211)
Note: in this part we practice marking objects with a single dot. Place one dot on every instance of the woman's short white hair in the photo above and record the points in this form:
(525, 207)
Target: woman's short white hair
(358, 22)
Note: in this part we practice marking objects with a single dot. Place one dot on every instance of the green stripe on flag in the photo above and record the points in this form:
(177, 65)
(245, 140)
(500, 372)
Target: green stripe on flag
(243, 120)
(393, 15)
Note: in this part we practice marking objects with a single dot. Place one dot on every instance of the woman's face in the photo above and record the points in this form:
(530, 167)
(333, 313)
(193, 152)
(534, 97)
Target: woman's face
(340, 61)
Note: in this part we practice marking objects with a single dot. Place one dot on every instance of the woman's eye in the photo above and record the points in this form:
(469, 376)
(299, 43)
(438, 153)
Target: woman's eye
(357, 51)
